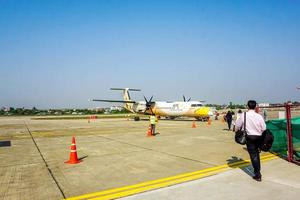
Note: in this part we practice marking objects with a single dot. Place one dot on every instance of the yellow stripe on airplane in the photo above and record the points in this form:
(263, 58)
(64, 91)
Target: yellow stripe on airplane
(202, 111)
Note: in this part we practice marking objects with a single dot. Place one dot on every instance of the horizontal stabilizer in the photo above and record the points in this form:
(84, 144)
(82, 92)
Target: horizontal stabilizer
(114, 101)
(129, 89)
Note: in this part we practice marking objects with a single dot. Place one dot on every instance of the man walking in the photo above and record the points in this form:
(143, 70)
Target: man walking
(255, 126)
(238, 115)
(228, 118)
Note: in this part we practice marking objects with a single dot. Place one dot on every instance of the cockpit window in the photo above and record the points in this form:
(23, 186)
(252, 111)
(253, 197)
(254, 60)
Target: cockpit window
(196, 105)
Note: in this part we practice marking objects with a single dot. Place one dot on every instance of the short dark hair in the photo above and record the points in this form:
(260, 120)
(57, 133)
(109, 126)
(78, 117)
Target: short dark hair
(251, 104)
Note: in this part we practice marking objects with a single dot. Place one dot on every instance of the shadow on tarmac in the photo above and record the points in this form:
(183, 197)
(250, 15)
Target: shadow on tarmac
(234, 161)
(83, 157)
(5, 143)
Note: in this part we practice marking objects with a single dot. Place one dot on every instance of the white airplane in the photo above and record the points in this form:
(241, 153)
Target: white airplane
(185, 108)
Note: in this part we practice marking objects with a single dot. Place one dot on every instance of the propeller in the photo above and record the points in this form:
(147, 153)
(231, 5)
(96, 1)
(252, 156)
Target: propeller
(184, 99)
(149, 104)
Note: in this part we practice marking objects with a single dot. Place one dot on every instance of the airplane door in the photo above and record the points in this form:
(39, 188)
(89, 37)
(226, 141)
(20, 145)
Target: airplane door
(177, 108)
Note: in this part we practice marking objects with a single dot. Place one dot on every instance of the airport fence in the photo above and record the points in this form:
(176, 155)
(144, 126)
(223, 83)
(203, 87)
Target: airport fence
(286, 132)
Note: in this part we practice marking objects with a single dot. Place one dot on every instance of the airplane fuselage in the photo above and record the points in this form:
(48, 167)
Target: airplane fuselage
(162, 108)
(174, 109)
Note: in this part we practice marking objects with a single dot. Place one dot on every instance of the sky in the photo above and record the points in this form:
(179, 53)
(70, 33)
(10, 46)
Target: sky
(60, 53)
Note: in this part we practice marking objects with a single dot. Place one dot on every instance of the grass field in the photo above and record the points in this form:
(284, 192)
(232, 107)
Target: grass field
(69, 117)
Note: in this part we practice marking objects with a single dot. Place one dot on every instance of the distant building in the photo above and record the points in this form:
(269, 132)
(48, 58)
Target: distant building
(263, 104)
(116, 108)
(276, 104)
(98, 109)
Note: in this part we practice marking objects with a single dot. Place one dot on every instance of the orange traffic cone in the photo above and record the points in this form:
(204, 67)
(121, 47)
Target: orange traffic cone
(149, 132)
(194, 124)
(208, 122)
(73, 153)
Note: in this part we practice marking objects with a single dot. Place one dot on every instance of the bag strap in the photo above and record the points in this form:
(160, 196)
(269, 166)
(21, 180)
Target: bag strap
(245, 121)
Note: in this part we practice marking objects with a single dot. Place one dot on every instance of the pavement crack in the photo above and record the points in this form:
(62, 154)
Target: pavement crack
(283, 183)
(46, 164)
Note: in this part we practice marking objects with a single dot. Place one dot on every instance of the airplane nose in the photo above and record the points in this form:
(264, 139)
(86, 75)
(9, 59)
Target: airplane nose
(204, 111)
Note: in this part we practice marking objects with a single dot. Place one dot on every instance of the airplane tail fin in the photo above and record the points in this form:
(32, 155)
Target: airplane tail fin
(126, 96)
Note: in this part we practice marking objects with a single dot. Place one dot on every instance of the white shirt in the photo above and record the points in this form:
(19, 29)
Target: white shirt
(255, 124)
(238, 115)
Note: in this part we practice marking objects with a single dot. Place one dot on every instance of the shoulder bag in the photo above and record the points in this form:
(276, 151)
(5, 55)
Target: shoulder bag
(267, 140)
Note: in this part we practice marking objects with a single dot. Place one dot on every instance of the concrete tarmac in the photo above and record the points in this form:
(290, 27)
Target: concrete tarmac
(280, 181)
(114, 153)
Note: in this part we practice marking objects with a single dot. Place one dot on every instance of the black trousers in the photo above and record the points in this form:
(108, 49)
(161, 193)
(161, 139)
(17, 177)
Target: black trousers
(253, 144)
(229, 124)
(153, 129)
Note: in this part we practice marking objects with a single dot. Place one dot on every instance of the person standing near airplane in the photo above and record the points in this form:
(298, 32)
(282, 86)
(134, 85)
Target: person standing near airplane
(255, 126)
(153, 121)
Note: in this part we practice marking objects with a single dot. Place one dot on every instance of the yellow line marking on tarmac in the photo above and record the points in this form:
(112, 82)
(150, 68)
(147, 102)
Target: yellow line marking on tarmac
(164, 182)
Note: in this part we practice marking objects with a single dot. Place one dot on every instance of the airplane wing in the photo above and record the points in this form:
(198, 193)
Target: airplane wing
(114, 101)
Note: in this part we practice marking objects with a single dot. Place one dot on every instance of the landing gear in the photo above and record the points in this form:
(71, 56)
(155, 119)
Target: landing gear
(136, 119)
(170, 117)
(202, 119)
